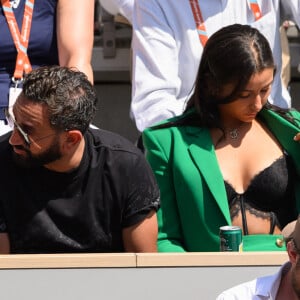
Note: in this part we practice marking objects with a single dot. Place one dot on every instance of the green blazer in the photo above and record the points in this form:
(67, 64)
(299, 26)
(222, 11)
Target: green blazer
(193, 198)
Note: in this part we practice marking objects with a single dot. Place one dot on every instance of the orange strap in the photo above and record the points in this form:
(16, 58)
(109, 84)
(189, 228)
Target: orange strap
(200, 21)
(255, 9)
(23, 64)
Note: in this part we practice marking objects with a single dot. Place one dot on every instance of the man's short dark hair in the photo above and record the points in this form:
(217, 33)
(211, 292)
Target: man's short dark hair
(68, 94)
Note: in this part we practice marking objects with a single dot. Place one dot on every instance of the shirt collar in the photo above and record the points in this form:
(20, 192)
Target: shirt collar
(268, 286)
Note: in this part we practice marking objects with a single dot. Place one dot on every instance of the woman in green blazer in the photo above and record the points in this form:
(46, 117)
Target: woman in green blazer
(231, 158)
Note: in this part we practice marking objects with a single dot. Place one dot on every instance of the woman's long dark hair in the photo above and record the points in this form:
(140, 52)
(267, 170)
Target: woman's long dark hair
(231, 56)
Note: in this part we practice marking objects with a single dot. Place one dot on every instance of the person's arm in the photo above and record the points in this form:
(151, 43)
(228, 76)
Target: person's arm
(141, 237)
(75, 34)
(155, 80)
(140, 201)
(169, 226)
(4, 243)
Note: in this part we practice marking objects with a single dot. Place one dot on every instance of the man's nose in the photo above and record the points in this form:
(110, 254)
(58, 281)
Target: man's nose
(16, 138)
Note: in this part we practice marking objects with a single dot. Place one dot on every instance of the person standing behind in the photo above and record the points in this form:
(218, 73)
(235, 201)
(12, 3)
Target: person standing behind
(67, 187)
(167, 46)
(284, 285)
(231, 158)
(56, 32)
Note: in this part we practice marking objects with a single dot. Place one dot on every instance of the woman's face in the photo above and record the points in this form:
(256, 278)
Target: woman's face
(249, 101)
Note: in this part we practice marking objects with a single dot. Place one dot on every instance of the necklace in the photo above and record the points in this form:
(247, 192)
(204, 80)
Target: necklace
(14, 3)
(234, 133)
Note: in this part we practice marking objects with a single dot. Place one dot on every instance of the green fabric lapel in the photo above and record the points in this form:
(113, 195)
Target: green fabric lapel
(284, 132)
(203, 155)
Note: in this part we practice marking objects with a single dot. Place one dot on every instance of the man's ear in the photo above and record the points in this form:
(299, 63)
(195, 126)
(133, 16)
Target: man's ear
(72, 139)
(292, 253)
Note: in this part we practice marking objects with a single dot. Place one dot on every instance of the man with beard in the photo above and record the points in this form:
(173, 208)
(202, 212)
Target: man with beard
(66, 187)
(283, 285)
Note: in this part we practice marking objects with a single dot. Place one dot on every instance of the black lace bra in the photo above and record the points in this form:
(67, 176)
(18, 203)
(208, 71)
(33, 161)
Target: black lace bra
(270, 194)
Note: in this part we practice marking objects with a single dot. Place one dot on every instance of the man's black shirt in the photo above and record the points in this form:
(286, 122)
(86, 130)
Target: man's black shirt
(81, 211)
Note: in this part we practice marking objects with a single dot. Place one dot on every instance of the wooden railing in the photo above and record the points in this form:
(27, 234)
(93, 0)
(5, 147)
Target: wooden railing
(130, 275)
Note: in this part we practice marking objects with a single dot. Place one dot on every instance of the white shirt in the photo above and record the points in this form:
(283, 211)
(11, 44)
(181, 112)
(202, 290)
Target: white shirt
(167, 50)
(260, 288)
(123, 7)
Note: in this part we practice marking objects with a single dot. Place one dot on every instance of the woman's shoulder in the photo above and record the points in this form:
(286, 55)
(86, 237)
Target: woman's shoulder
(295, 114)
(288, 116)
(161, 132)
(174, 123)
(177, 130)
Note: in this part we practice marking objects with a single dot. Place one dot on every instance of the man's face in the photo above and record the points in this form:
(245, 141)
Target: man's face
(44, 147)
(46, 156)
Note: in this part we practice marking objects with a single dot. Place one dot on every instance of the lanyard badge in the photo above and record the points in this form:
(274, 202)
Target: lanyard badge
(255, 9)
(14, 92)
(21, 41)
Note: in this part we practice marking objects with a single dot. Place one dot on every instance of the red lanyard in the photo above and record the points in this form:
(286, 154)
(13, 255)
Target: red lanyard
(20, 40)
(255, 9)
(200, 21)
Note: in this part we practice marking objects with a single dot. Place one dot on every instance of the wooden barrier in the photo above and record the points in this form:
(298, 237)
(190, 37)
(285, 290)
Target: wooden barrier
(130, 275)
